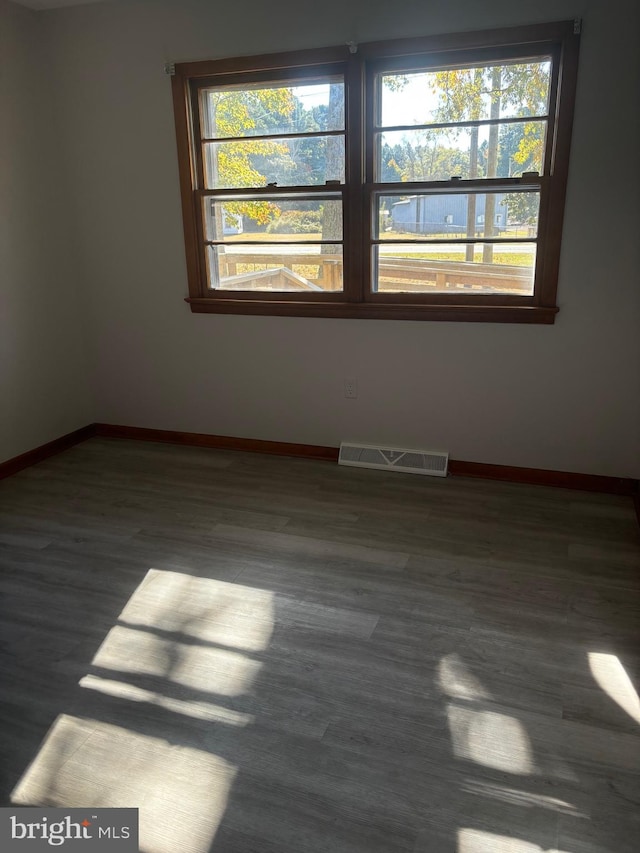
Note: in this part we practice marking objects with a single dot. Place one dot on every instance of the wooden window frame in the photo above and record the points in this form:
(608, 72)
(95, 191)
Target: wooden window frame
(559, 40)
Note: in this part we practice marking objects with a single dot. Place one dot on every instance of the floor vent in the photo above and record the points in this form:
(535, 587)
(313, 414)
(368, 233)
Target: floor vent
(430, 462)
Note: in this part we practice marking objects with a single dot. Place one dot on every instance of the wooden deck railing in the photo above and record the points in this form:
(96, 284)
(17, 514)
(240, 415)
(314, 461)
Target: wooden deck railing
(324, 272)
(329, 267)
(414, 274)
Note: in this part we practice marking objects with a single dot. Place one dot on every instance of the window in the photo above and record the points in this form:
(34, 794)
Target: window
(413, 179)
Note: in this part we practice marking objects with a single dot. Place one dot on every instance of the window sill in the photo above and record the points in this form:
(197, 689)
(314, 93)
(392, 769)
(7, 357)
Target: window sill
(371, 311)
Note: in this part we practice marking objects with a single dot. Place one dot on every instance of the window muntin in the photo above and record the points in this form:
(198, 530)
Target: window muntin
(464, 243)
(264, 134)
(461, 126)
(271, 134)
(274, 243)
(507, 156)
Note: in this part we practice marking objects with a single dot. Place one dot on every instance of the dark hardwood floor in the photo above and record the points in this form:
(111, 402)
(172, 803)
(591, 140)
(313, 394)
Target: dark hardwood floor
(270, 655)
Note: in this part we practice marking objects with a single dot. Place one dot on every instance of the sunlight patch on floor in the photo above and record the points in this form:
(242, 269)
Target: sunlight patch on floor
(206, 669)
(490, 739)
(85, 763)
(517, 797)
(227, 614)
(477, 841)
(611, 676)
(456, 680)
(186, 646)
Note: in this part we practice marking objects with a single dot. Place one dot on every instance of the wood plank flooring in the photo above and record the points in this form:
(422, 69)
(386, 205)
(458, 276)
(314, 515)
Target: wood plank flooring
(270, 655)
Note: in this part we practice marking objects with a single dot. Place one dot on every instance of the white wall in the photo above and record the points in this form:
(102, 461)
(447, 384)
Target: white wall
(564, 397)
(43, 374)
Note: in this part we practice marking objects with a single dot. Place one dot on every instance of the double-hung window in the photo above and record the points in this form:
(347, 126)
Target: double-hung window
(413, 179)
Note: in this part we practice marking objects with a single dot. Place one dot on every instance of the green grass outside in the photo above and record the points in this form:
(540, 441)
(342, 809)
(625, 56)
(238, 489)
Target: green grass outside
(512, 258)
(517, 259)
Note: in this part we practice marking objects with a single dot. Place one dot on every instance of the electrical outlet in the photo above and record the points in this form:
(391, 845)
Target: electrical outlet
(351, 388)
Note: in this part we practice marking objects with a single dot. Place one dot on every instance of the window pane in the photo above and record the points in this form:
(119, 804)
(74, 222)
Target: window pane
(272, 219)
(309, 161)
(304, 107)
(461, 215)
(465, 94)
(497, 151)
(478, 268)
(280, 267)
